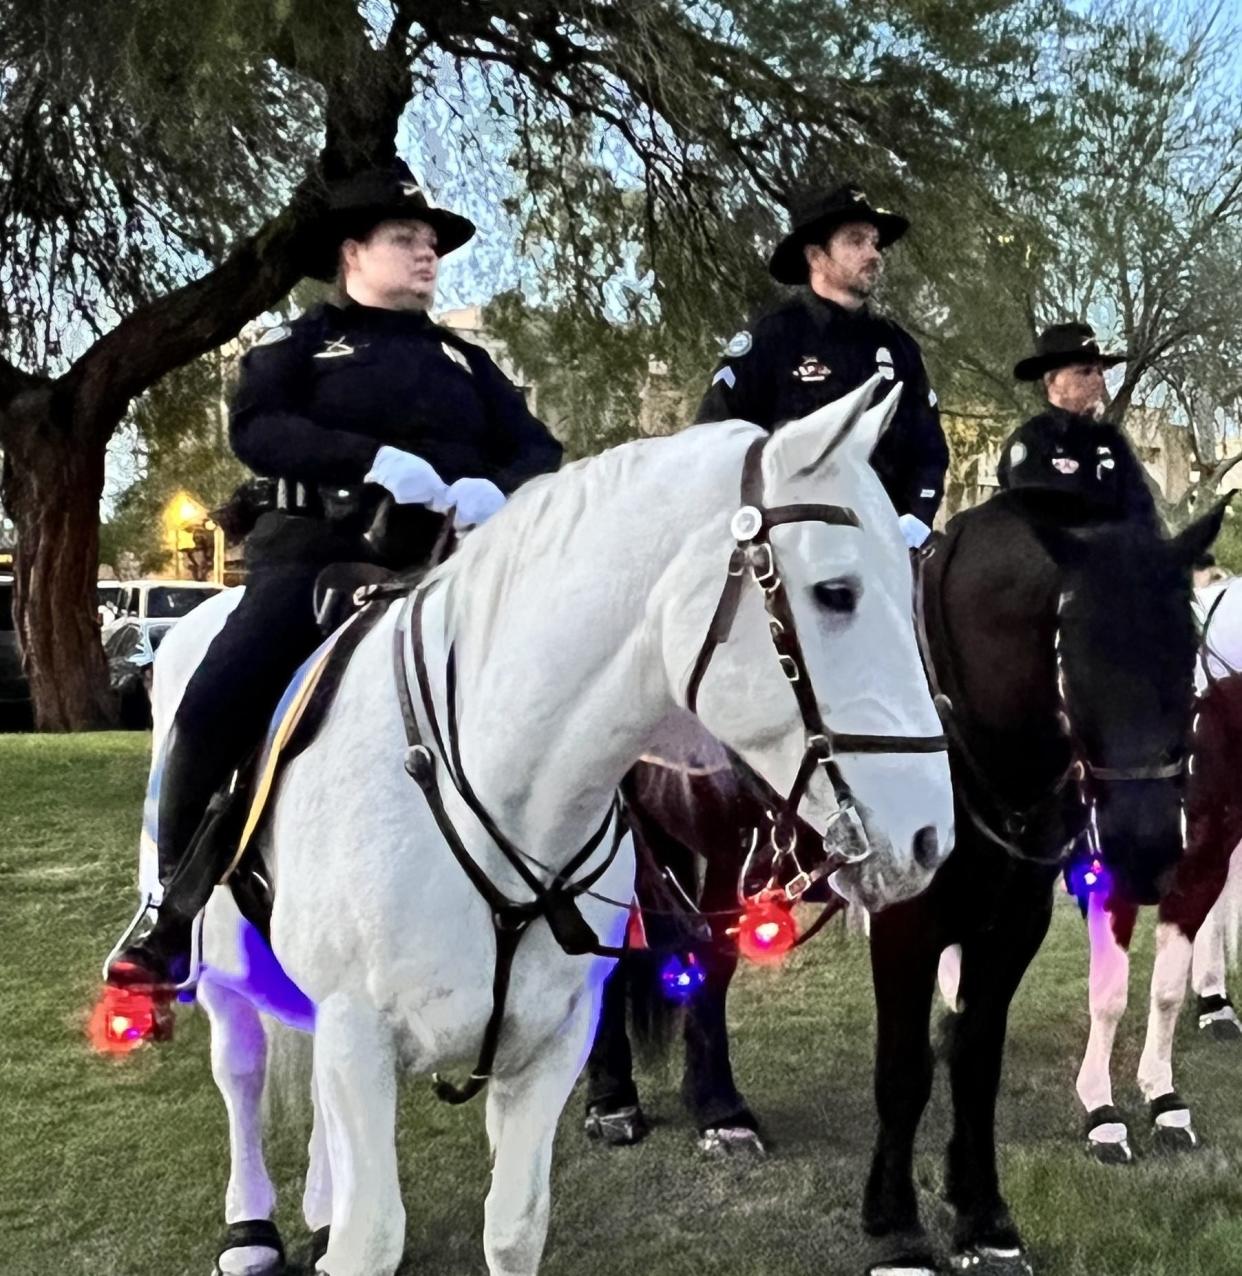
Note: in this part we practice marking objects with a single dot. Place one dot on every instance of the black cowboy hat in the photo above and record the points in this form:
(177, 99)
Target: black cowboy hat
(1061, 346)
(814, 216)
(358, 204)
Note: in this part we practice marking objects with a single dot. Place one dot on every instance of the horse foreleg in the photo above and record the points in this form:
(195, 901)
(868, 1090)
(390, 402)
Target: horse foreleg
(1170, 1116)
(522, 1113)
(903, 968)
(239, 1066)
(993, 964)
(1108, 1139)
(355, 1076)
(613, 1113)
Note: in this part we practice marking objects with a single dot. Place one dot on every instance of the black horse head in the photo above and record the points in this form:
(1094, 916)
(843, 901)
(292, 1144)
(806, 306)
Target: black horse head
(1126, 648)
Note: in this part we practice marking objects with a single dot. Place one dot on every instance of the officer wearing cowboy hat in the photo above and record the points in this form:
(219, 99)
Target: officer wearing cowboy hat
(827, 341)
(1069, 448)
(352, 400)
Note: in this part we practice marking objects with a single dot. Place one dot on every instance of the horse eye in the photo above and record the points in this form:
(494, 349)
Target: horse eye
(840, 596)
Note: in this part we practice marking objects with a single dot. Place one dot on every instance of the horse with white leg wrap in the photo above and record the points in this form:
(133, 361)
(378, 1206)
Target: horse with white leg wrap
(1197, 921)
(573, 624)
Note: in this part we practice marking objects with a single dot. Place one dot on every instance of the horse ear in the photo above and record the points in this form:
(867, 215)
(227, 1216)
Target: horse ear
(802, 446)
(1191, 543)
(867, 433)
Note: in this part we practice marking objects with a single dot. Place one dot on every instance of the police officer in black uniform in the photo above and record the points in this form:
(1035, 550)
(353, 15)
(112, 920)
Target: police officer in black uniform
(348, 402)
(1070, 449)
(827, 341)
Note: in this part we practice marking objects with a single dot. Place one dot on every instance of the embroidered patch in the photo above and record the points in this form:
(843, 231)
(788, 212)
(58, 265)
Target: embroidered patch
(456, 355)
(1065, 465)
(273, 335)
(726, 375)
(927, 493)
(932, 401)
(812, 369)
(882, 355)
(1017, 454)
(337, 348)
(738, 344)
(1106, 464)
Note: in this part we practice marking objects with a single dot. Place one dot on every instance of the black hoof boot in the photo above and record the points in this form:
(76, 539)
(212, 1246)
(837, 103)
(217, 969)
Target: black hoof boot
(620, 1129)
(1218, 1019)
(1171, 1131)
(993, 1248)
(908, 1253)
(1108, 1138)
(257, 1235)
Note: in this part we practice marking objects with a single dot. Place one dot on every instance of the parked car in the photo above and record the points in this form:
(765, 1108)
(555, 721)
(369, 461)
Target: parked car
(16, 711)
(107, 600)
(130, 649)
(158, 600)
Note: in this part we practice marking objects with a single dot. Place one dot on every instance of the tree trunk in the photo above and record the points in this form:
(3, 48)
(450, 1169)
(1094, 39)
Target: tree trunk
(52, 483)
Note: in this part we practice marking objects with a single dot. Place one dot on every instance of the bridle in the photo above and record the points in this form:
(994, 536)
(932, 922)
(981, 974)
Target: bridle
(754, 556)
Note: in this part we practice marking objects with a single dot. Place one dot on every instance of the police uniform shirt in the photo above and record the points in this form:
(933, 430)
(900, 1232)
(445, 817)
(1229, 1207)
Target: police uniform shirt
(810, 351)
(1060, 451)
(318, 398)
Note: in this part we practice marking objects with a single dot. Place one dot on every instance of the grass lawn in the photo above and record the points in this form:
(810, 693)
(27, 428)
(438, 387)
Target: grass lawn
(117, 1167)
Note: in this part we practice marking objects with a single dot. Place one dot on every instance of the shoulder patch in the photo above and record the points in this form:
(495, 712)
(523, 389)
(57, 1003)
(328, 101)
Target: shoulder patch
(932, 401)
(1017, 454)
(279, 333)
(738, 344)
(726, 375)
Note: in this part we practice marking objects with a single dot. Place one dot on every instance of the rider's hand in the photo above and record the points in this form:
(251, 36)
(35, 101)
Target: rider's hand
(476, 499)
(410, 479)
(914, 530)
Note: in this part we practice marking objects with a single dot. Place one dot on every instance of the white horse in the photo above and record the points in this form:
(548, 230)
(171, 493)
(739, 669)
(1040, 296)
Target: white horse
(576, 615)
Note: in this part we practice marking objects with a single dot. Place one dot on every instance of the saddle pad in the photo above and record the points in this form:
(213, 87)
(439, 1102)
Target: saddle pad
(292, 711)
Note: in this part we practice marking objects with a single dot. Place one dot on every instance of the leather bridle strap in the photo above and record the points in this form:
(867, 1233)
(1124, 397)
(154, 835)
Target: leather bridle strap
(754, 554)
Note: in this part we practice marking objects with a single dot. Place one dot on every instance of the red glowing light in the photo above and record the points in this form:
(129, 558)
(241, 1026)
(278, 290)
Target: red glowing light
(124, 1018)
(766, 932)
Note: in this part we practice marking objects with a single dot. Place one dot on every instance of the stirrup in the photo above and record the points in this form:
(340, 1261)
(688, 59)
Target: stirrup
(185, 988)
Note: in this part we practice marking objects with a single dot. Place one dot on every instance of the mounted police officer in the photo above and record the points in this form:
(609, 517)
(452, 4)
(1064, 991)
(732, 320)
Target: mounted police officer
(827, 341)
(1070, 448)
(349, 401)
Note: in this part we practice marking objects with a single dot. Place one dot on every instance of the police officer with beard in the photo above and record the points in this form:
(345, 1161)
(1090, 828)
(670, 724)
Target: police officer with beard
(827, 341)
(1070, 449)
(355, 401)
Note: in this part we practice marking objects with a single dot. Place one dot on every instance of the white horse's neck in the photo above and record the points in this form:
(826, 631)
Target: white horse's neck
(556, 614)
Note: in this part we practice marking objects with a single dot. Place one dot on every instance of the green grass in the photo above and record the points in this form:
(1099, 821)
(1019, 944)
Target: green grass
(118, 1166)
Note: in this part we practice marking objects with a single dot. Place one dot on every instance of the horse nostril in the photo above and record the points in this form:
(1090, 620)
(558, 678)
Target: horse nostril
(926, 847)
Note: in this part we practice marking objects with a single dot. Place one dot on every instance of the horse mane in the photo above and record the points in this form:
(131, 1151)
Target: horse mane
(537, 524)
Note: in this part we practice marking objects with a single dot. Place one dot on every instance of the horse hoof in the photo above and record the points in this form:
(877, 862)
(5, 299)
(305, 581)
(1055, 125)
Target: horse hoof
(252, 1247)
(620, 1129)
(990, 1260)
(1118, 1153)
(1172, 1140)
(1108, 1138)
(1218, 1019)
(725, 1141)
(903, 1254)
(249, 1260)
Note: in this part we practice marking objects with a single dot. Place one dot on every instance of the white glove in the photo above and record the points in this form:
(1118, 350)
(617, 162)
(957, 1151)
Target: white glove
(410, 479)
(914, 530)
(476, 499)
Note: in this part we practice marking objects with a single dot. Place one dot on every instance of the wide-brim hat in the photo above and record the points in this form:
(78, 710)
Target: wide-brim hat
(1061, 346)
(358, 204)
(816, 215)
